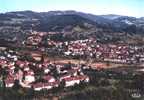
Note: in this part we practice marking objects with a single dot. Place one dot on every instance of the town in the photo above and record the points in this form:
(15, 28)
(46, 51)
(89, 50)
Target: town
(71, 50)
(46, 64)
(88, 48)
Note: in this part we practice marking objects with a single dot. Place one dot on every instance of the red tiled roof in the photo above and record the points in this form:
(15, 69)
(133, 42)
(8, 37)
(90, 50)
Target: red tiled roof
(3, 61)
(20, 62)
(37, 85)
(48, 77)
(9, 80)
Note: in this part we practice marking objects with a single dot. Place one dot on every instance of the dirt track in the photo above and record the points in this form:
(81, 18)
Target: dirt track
(89, 63)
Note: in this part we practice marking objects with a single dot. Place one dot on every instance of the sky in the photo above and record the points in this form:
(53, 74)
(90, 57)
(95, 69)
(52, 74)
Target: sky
(99, 7)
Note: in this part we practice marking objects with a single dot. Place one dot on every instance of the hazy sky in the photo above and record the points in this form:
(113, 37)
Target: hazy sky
(121, 7)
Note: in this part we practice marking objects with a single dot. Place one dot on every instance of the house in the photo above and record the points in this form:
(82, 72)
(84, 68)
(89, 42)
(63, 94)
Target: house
(51, 85)
(46, 70)
(38, 86)
(20, 63)
(9, 81)
(49, 78)
(29, 78)
(71, 81)
(36, 56)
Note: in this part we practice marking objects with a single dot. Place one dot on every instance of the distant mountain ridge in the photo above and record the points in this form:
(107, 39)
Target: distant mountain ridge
(18, 24)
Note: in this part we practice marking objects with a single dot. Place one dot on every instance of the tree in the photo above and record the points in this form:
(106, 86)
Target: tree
(16, 85)
(17, 90)
(62, 84)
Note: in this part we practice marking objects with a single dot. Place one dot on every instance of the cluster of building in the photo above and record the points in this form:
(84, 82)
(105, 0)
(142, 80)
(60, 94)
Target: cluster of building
(118, 53)
(38, 75)
(90, 48)
(36, 38)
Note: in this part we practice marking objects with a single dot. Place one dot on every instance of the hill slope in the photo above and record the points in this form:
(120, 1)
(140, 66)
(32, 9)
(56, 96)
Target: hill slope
(16, 25)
